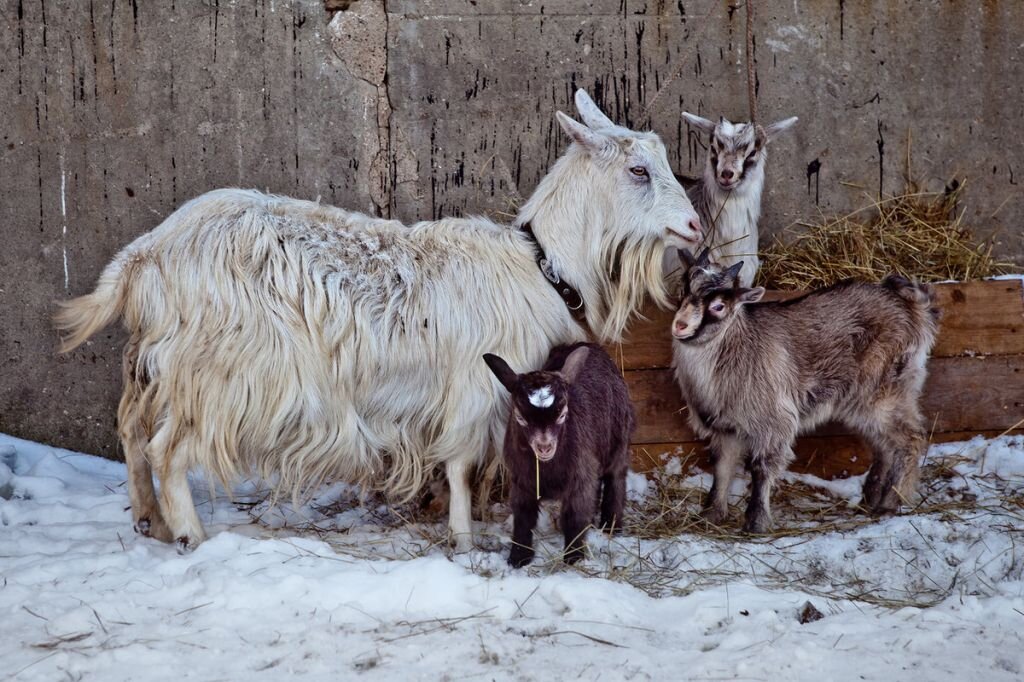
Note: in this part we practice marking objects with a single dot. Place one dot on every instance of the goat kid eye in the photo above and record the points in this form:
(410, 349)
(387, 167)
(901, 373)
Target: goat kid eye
(717, 308)
(520, 420)
(562, 417)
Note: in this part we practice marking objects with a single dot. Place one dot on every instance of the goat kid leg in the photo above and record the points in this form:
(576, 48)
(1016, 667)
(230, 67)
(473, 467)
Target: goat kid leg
(176, 502)
(577, 512)
(525, 508)
(726, 453)
(765, 468)
(460, 508)
(897, 448)
(613, 501)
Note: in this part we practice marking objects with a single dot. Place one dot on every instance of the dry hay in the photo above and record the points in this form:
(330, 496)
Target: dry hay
(916, 234)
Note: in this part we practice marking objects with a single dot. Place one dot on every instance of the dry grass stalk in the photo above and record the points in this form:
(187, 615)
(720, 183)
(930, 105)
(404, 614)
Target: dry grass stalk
(917, 234)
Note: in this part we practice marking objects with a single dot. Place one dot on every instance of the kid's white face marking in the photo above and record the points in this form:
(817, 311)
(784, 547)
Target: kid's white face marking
(542, 397)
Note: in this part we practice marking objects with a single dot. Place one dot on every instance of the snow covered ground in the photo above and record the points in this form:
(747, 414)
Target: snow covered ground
(336, 590)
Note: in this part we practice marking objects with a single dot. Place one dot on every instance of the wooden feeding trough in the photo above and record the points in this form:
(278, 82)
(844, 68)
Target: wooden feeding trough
(975, 382)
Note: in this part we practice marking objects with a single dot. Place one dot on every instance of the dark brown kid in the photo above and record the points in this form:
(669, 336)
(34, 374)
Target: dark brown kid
(573, 420)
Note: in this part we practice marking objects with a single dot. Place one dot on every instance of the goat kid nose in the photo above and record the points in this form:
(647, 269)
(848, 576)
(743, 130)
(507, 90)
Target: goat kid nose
(679, 328)
(727, 175)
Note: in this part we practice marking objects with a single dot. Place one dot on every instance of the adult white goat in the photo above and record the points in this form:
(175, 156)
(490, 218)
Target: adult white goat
(307, 343)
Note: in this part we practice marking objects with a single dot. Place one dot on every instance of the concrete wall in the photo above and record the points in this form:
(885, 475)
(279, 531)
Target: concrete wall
(114, 113)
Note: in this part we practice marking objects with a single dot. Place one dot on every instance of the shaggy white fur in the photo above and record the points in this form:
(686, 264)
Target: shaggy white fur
(308, 343)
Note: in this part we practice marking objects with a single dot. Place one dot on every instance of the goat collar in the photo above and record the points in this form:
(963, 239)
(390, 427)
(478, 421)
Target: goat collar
(572, 299)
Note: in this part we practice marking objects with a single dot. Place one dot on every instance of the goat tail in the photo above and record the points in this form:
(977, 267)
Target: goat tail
(81, 317)
(920, 295)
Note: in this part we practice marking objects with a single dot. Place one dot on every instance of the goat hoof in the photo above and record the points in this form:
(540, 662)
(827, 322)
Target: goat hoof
(184, 545)
(143, 527)
(756, 527)
(713, 516)
(460, 543)
(520, 558)
(879, 510)
(573, 556)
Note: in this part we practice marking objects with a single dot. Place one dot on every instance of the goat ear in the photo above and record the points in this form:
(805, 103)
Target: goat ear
(779, 126)
(699, 123)
(590, 113)
(588, 139)
(506, 376)
(733, 271)
(574, 363)
(749, 295)
(686, 258)
(760, 136)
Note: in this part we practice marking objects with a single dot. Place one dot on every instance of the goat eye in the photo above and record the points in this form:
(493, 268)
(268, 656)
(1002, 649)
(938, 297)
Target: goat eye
(639, 171)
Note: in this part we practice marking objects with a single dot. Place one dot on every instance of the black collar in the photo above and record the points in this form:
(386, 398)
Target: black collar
(571, 297)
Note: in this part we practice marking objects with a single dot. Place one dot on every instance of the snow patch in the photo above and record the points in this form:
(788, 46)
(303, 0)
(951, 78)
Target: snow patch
(345, 587)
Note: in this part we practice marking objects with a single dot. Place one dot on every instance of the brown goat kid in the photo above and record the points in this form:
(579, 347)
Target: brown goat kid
(573, 420)
(754, 376)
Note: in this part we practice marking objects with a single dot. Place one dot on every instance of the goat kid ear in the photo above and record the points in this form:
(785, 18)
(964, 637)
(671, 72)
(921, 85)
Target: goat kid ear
(500, 368)
(686, 258)
(733, 271)
(593, 142)
(590, 113)
(574, 363)
(749, 295)
(699, 123)
(704, 257)
(779, 126)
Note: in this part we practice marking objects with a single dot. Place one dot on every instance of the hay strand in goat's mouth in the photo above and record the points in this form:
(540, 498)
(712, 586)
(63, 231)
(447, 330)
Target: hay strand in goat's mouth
(916, 234)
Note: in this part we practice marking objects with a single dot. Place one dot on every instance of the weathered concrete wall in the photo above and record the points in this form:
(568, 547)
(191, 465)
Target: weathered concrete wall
(114, 113)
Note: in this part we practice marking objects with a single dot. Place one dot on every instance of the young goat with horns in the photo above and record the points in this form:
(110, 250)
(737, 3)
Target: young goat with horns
(754, 376)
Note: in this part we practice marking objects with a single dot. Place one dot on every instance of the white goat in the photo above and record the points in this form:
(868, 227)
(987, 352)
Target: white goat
(728, 195)
(308, 343)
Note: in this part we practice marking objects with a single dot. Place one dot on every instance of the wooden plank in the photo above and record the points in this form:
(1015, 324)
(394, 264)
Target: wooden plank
(824, 457)
(961, 394)
(979, 318)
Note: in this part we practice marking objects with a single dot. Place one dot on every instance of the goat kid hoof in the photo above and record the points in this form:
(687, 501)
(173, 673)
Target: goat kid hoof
(573, 557)
(143, 527)
(880, 510)
(519, 559)
(755, 528)
(611, 528)
(713, 516)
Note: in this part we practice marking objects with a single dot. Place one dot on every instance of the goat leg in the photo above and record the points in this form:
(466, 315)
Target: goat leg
(725, 453)
(613, 500)
(525, 508)
(576, 519)
(764, 469)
